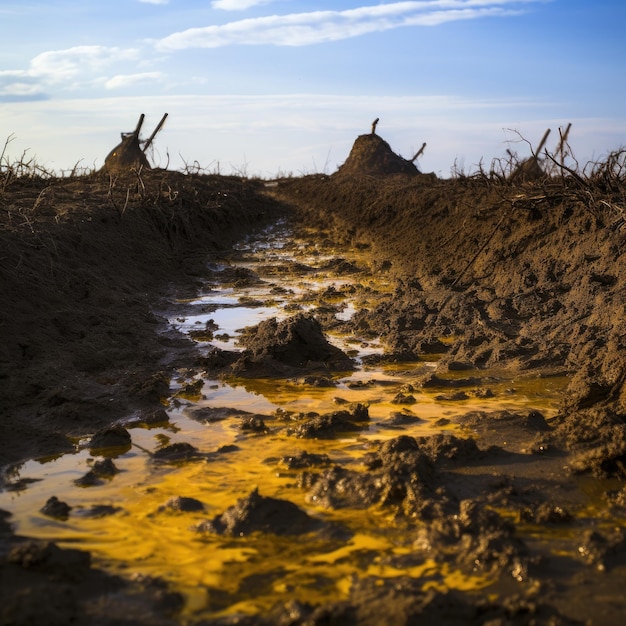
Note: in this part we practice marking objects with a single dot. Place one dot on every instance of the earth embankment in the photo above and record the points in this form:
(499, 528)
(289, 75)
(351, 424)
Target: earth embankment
(522, 276)
(526, 277)
(85, 261)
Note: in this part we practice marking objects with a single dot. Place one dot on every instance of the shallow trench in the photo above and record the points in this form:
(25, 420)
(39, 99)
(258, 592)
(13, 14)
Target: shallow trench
(124, 519)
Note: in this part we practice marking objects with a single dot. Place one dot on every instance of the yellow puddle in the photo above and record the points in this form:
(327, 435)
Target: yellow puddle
(218, 573)
(249, 574)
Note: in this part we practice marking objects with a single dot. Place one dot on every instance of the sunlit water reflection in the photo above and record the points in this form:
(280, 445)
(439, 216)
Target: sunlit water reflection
(252, 573)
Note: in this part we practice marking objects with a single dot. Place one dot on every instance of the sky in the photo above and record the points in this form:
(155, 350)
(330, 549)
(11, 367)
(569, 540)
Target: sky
(284, 87)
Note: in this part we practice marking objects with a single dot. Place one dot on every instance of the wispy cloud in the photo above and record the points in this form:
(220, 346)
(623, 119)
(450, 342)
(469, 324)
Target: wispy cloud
(64, 65)
(238, 5)
(301, 29)
(15, 85)
(72, 68)
(155, 1)
(121, 81)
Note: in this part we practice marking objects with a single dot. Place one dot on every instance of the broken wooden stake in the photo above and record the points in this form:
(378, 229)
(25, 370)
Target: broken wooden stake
(542, 143)
(419, 153)
(562, 143)
(142, 117)
(154, 134)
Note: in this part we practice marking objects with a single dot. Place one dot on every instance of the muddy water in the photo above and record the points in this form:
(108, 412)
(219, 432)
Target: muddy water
(125, 520)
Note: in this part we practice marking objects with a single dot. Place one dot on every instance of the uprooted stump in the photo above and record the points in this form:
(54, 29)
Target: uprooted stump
(372, 155)
(530, 170)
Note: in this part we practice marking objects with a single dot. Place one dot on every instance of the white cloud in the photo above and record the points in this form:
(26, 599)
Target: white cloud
(155, 1)
(238, 5)
(62, 65)
(16, 84)
(121, 81)
(71, 68)
(300, 29)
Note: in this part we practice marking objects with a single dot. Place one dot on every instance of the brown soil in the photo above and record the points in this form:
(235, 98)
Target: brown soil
(526, 276)
(85, 263)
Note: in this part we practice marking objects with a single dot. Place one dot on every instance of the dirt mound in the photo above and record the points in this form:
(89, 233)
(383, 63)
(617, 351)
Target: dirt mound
(261, 514)
(297, 342)
(528, 171)
(372, 155)
(126, 155)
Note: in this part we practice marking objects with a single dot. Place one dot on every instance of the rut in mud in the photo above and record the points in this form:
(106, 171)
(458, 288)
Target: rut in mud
(287, 428)
(300, 454)
(424, 418)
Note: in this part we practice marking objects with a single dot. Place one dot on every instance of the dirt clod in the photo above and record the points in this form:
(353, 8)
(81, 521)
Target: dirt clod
(56, 508)
(257, 513)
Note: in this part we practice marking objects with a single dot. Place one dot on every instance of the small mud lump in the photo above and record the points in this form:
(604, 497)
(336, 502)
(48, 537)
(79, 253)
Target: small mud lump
(56, 508)
(116, 437)
(175, 452)
(329, 425)
(104, 469)
(181, 504)
(257, 513)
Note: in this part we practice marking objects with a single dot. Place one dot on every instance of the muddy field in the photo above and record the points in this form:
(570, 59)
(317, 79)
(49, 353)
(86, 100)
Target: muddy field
(485, 274)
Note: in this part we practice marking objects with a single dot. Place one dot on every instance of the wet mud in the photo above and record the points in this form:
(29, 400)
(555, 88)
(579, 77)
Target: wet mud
(476, 477)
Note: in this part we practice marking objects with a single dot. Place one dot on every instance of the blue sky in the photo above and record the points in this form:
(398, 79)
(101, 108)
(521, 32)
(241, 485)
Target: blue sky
(268, 87)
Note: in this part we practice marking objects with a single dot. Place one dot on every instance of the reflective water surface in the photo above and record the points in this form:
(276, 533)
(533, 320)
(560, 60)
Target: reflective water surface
(124, 520)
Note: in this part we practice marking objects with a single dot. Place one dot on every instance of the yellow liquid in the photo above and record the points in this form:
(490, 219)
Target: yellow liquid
(250, 574)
